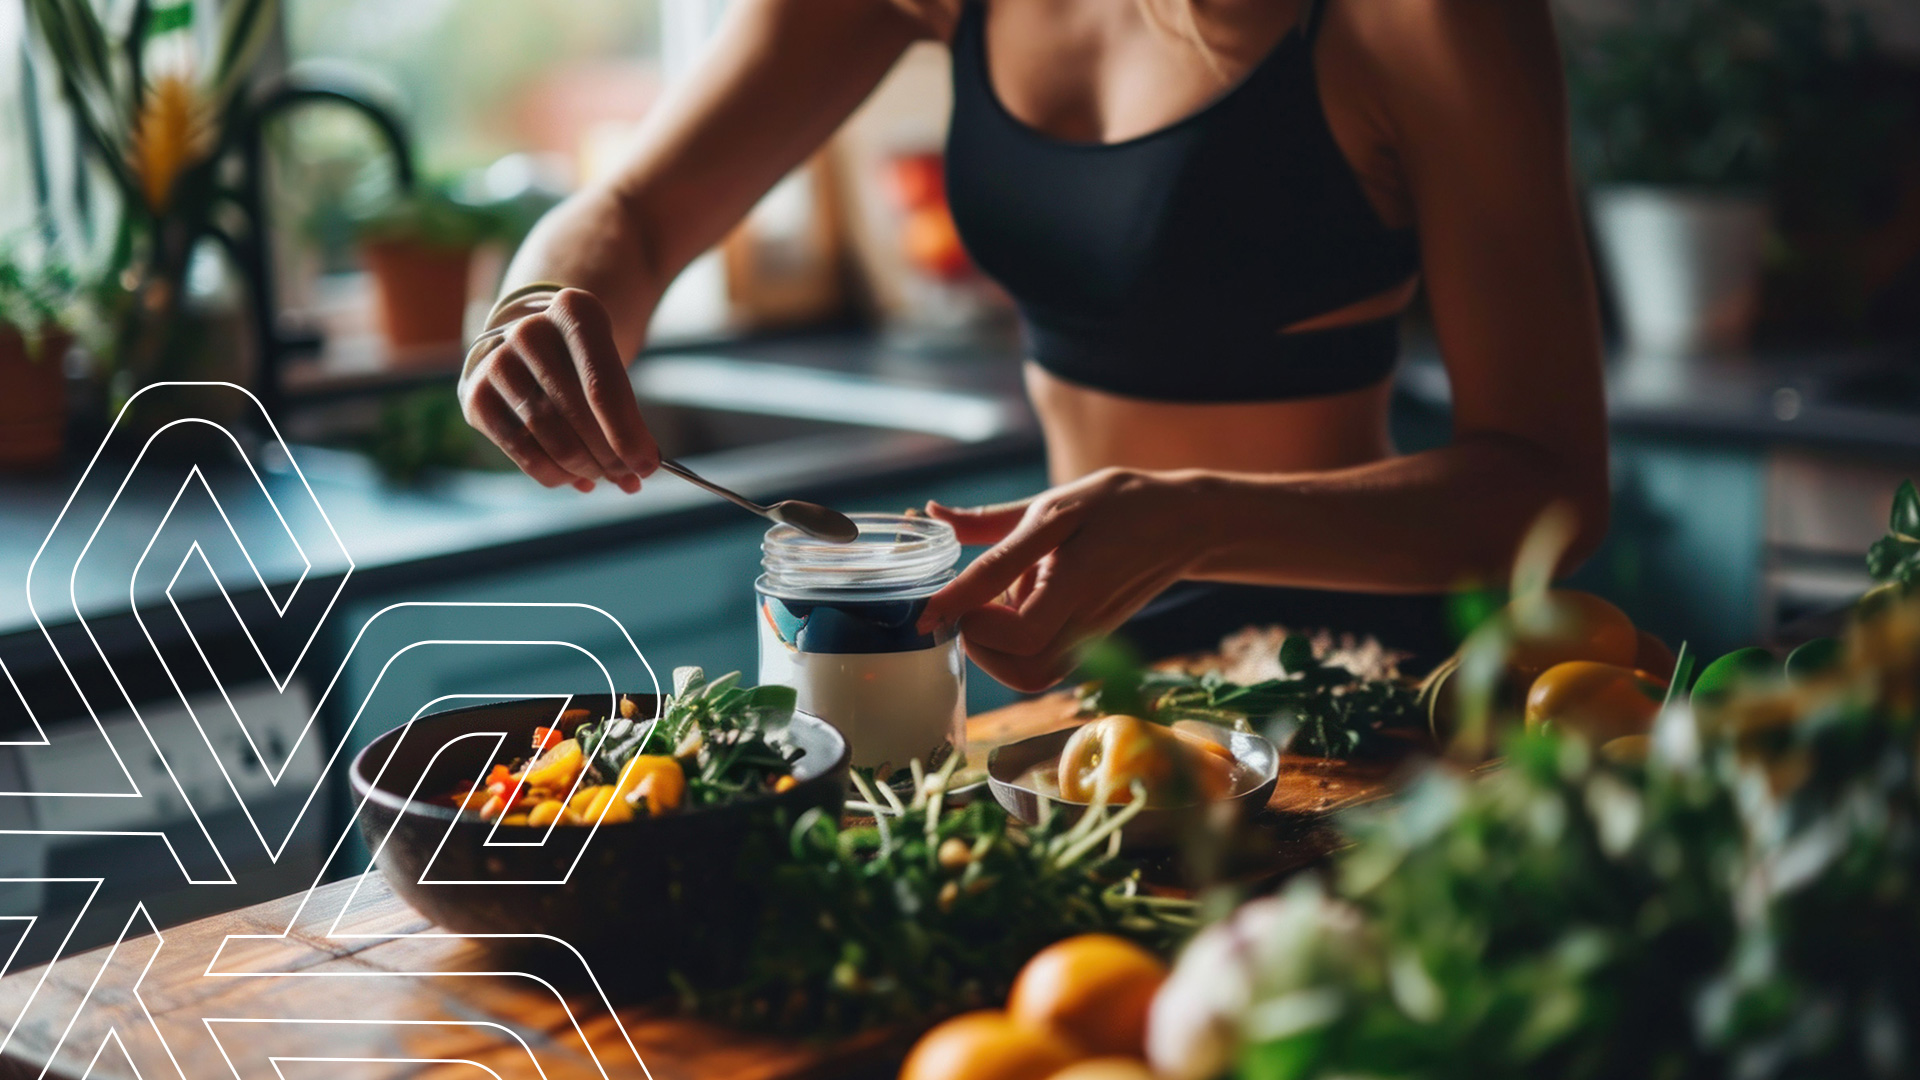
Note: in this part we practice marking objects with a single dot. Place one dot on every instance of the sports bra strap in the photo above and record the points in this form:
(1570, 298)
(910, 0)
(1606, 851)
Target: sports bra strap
(1310, 20)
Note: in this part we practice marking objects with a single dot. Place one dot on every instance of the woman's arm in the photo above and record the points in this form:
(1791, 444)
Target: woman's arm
(1469, 94)
(780, 77)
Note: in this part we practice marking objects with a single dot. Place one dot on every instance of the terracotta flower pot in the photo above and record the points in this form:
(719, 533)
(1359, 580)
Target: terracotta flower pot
(420, 294)
(33, 400)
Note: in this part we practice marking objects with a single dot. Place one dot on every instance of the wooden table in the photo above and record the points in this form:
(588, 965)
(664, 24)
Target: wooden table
(357, 984)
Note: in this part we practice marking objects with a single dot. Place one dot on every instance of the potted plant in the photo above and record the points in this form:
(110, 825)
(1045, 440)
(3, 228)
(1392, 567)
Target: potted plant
(419, 250)
(1680, 110)
(34, 338)
(171, 117)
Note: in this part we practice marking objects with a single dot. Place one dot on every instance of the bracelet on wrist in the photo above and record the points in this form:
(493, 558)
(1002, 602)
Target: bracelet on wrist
(518, 302)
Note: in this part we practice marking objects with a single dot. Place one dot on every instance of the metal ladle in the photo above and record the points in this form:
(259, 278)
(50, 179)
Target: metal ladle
(815, 520)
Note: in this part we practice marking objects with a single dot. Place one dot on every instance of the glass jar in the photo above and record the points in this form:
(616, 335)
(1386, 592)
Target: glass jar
(836, 623)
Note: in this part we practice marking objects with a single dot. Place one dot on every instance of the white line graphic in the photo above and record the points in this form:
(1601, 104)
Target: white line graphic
(98, 554)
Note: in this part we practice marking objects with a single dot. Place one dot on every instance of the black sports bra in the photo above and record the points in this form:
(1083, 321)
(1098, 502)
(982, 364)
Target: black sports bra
(1164, 266)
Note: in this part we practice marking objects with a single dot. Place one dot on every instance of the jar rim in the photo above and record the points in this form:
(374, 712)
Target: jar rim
(894, 551)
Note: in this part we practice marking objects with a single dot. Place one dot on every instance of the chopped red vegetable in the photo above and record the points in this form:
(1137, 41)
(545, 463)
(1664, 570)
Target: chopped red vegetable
(544, 738)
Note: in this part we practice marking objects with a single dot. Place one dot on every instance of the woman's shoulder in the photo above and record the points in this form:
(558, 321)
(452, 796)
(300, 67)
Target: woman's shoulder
(937, 18)
(1416, 37)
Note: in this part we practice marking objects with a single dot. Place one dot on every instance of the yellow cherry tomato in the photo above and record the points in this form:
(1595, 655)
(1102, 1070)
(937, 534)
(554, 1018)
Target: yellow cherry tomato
(1599, 701)
(1564, 625)
(1107, 756)
(656, 779)
(555, 769)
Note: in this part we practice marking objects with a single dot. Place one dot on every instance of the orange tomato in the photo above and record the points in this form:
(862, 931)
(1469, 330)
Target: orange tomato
(1107, 756)
(1653, 657)
(986, 1045)
(1106, 1068)
(1093, 990)
(1600, 701)
(1565, 625)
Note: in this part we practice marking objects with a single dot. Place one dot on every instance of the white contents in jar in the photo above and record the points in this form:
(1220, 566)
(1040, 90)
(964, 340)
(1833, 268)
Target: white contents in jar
(891, 706)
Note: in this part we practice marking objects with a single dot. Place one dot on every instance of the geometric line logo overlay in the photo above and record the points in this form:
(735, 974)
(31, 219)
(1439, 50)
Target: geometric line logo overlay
(237, 551)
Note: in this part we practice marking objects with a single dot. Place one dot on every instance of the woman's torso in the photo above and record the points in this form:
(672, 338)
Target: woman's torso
(1166, 218)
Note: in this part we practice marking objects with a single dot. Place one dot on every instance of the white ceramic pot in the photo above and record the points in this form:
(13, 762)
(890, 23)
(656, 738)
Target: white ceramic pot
(1683, 264)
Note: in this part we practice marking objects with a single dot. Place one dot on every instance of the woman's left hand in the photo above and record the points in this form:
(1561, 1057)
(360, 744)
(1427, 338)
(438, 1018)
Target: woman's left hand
(1066, 566)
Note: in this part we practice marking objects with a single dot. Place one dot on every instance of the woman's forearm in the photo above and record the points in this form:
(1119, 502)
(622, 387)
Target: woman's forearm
(1424, 522)
(594, 241)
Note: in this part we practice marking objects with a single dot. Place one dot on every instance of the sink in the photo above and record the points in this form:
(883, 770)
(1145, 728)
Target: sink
(753, 422)
(760, 388)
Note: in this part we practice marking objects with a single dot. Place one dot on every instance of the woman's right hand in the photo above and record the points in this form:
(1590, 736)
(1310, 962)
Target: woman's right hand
(552, 392)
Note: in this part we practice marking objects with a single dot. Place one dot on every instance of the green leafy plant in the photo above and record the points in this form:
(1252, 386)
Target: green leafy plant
(429, 217)
(1894, 559)
(729, 735)
(929, 910)
(1326, 710)
(1745, 903)
(169, 127)
(36, 296)
(1698, 92)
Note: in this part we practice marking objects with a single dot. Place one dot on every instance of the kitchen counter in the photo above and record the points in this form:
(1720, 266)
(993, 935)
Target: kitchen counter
(958, 408)
(1866, 401)
(963, 406)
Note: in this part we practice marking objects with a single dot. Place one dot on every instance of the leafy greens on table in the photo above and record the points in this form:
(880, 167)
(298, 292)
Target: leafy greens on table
(1331, 711)
(928, 910)
(734, 736)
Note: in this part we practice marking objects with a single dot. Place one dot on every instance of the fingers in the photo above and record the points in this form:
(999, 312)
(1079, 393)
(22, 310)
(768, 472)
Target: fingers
(1044, 527)
(554, 395)
(539, 415)
(1001, 643)
(602, 374)
(545, 387)
(488, 412)
(981, 525)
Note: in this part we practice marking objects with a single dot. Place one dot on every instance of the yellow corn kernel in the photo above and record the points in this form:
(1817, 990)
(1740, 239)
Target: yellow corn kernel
(786, 783)
(514, 819)
(617, 812)
(546, 813)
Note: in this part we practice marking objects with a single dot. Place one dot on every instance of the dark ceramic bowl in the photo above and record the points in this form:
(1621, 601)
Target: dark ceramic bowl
(1154, 827)
(674, 892)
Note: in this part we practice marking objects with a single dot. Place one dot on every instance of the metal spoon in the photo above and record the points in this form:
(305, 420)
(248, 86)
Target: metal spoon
(813, 519)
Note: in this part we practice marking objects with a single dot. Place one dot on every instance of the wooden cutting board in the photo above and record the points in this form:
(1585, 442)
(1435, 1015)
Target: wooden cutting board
(357, 984)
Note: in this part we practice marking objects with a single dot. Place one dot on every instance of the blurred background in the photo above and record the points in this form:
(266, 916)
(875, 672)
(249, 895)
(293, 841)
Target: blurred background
(314, 199)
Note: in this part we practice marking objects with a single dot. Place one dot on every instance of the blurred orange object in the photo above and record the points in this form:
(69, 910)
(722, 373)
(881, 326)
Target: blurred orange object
(932, 243)
(986, 1045)
(33, 411)
(1093, 990)
(919, 180)
(1106, 1068)
(1599, 701)
(420, 292)
(1567, 624)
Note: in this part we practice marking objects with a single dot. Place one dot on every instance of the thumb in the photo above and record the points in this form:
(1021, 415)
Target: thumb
(981, 524)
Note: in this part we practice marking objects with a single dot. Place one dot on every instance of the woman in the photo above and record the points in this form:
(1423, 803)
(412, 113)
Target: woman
(1210, 212)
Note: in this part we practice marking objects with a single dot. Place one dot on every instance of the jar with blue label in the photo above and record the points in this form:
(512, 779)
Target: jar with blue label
(837, 623)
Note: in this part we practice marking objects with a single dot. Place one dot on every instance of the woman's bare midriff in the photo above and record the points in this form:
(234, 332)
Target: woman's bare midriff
(1088, 430)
